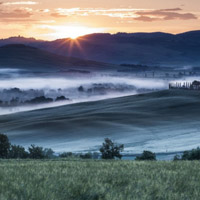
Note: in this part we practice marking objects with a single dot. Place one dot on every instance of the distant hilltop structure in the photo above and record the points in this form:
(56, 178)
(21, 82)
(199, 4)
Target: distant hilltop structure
(195, 85)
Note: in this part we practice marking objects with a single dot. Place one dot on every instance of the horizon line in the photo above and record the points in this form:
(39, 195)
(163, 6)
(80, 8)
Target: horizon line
(35, 38)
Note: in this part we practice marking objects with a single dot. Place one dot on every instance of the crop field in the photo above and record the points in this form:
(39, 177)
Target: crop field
(98, 180)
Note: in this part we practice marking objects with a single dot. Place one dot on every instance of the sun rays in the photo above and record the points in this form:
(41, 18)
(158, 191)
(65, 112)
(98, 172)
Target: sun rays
(69, 31)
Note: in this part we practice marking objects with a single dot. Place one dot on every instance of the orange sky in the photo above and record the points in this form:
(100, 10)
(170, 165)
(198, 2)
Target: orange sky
(50, 19)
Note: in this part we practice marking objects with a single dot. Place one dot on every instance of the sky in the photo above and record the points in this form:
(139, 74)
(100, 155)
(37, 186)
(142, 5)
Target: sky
(53, 19)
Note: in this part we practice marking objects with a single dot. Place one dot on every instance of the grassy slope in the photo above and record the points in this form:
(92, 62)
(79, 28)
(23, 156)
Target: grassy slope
(164, 120)
(95, 180)
(30, 58)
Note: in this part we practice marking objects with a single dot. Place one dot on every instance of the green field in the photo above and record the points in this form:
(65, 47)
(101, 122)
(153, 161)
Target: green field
(93, 180)
(163, 121)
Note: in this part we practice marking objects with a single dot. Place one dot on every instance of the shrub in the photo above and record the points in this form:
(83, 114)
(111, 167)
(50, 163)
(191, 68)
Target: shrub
(17, 151)
(177, 157)
(146, 155)
(4, 146)
(66, 155)
(86, 156)
(110, 150)
(194, 154)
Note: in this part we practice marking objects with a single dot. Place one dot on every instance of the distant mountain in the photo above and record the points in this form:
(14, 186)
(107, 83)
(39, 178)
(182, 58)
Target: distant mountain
(19, 40)
(31, 58)
(134, 48)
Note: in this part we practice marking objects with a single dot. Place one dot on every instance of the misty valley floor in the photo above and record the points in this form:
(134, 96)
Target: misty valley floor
(98, 180)
(163, 122)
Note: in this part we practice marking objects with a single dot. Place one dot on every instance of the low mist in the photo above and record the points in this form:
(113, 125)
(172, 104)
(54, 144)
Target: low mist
(22, 91)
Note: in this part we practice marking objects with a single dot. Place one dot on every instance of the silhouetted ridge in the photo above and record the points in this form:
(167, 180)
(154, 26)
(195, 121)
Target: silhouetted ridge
(26, 57)
(155, 48)
(18, 46)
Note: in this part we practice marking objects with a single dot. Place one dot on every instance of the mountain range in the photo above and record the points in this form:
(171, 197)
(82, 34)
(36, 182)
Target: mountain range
(133, 48)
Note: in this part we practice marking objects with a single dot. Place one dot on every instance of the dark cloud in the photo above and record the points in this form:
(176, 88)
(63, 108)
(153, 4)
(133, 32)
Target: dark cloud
(17, 13)
(164, 14)
(145, 19)
(171, 9)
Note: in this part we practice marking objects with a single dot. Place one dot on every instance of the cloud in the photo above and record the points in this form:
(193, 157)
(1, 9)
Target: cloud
(16, 13)
(62, 12)
(57, 15)
(114, 12)
(164, 14)
(20, 3)
(145, 19)
(171, 9)
(44, 10)
(146, 15)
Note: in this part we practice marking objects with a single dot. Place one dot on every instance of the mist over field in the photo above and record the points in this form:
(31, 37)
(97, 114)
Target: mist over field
(72, 104)
(65, 111)
(164, 122)
(75, 89)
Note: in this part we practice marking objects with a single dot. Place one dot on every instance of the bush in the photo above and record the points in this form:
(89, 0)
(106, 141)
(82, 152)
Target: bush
(177, 157)
(17, 151)
(110, 150)
(4, 146)
(146, 155)
(66, 155)
(86, 156)
(194, 154)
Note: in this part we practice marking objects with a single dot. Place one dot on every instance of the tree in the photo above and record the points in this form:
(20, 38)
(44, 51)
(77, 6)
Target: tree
(194, 154)
(81, 89)
(61, 98)
(66, 155)
(17, 151)
(48, 153)
(36, 152)
(177, 158)
(110, 150)
(4, 146)
(146, 155)
(86, 156)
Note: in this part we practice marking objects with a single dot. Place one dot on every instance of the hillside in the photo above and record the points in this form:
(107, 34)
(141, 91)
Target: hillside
(166, 121)
(136, 48)
(31, 58)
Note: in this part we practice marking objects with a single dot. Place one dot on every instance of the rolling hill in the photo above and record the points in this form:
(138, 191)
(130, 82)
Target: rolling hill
(165, 121)
(136, 48)
(25, 57)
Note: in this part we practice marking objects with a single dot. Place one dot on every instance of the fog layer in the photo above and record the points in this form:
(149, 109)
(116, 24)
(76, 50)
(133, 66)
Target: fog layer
(16, 93)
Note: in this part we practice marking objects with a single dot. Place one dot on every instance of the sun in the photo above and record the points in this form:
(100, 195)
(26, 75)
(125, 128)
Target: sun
(71, 31)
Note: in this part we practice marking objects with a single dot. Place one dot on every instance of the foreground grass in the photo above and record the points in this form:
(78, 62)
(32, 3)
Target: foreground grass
(95, 180)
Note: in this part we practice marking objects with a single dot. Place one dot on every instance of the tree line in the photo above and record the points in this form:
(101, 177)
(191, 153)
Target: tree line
(108, 150)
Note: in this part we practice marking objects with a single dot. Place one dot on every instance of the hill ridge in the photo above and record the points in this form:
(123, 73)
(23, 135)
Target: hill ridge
(160, 121)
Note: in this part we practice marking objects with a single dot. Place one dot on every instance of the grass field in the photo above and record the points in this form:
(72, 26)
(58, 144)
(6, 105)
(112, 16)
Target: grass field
(164, 121)
(95, 180)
